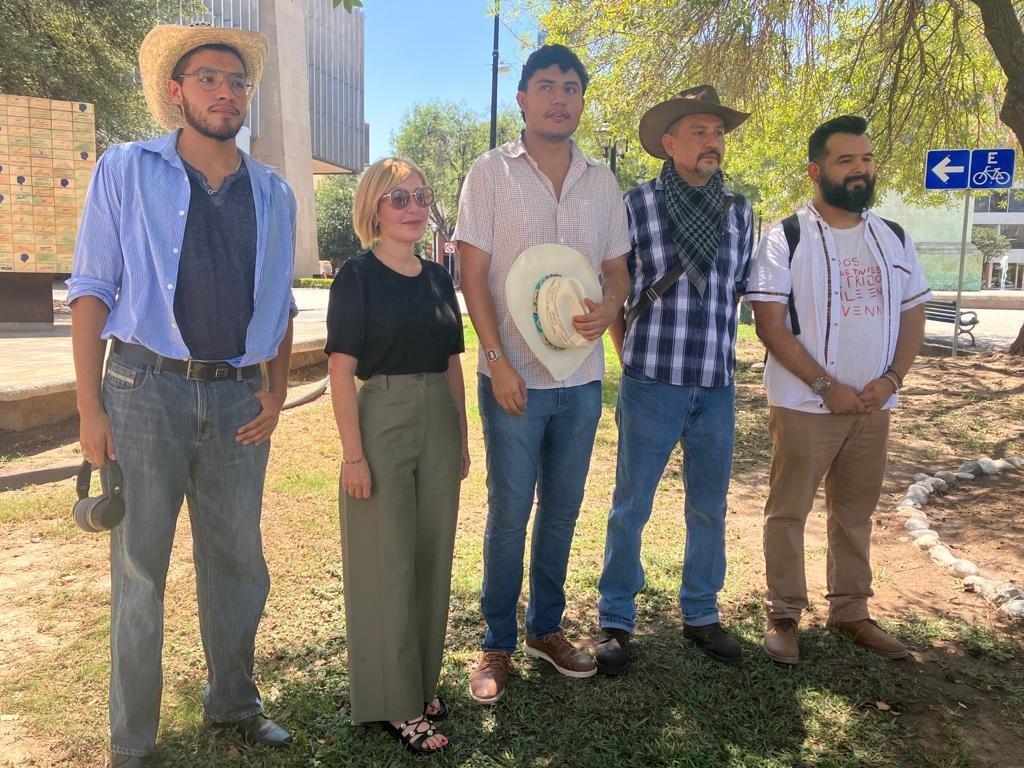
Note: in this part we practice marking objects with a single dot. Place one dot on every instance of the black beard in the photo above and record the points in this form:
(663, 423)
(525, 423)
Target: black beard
(856, 200)
(204, 128)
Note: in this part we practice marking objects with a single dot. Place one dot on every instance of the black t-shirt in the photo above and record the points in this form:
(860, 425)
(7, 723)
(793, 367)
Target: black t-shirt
(393, 324)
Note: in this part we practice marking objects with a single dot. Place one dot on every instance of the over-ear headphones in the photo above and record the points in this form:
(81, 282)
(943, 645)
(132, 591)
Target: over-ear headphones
(103, 512)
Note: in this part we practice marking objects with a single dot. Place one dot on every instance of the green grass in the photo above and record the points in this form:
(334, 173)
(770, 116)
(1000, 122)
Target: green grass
(674, 707)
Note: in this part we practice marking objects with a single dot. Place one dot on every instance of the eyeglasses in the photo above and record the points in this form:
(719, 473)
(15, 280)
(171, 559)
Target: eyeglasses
(210, 79)
(400, 198)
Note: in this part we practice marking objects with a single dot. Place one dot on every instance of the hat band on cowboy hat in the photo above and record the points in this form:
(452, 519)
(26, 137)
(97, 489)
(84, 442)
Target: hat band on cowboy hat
(556, 300)
(694, 101)
(163, 48)
(544, 289)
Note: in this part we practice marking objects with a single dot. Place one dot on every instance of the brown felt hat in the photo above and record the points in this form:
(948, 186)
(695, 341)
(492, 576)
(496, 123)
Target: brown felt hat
(700, 100)
(164, 46)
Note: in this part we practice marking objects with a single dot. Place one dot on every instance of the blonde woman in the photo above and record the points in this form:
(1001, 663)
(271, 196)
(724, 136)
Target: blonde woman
(393, 321)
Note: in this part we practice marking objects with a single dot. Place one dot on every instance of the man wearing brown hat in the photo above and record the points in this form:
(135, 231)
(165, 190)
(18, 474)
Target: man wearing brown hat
(691, 247)
(184, 262)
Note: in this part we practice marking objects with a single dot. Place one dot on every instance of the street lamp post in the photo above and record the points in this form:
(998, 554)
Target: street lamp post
(494, 78)
(613, 147)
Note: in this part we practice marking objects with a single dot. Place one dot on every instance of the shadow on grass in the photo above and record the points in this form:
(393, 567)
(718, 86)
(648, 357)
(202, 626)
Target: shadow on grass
(674, 707)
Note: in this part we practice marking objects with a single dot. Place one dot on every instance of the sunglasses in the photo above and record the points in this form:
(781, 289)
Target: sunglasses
(400, 198)
(210, 79)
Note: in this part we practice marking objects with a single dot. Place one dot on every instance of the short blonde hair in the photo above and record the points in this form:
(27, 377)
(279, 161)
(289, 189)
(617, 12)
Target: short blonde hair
(377, 180)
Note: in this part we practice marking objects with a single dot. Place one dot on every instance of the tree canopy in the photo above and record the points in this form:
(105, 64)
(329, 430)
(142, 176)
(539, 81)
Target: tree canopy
(82, 50)
(924, 74)
(336, 237)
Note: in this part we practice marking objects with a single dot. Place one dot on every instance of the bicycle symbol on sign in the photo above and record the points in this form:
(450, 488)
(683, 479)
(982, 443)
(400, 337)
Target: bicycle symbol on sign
(991, 175)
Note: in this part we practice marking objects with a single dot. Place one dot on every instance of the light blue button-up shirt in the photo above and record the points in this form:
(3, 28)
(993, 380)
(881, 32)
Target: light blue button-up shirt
(129, 246)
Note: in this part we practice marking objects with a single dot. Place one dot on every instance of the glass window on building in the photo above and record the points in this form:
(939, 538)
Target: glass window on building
(1014, 233)
(981, 203)
(1016, 203)
(999, 202)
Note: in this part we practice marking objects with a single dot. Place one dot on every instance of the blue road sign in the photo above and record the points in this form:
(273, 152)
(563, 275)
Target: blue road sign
(947, 168)
(992, 168)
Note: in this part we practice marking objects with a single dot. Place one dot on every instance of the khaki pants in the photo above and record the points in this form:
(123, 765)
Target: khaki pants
(397, 545)
(849, 451)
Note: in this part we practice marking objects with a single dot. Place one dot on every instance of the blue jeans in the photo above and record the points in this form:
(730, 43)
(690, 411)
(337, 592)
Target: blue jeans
(547, 449)
(174, 439)
(652, 418)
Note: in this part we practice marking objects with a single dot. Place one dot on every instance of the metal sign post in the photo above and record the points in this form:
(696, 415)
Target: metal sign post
(967, 169)
(960, 278)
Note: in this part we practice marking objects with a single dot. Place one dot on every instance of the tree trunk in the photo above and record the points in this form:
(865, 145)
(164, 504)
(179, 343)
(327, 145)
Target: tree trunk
(1004, 34)
(1017, 348)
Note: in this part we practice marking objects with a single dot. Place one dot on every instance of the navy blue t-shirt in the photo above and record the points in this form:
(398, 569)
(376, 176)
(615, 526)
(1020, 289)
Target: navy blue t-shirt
(213, 300)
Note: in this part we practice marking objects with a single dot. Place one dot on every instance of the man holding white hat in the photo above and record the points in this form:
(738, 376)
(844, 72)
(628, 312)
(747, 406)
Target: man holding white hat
(184, 262)
(691, 250)
(538, 221)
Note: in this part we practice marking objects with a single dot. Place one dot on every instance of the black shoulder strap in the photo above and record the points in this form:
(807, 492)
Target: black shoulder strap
(898, 230)
(791, 228)
(670, 278)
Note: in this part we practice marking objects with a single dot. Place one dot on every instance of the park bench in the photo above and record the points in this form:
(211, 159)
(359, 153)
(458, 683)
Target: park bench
(945, 312)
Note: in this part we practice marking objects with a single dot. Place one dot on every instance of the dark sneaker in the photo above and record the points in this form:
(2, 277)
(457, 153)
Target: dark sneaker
(716, 643)
(612, 655)
(115, 760)
(867, 633)
(487, 685)
(561, 654)
(780, 641)
(259, 729)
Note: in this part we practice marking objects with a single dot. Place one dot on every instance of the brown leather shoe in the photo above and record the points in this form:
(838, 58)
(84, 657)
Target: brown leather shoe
(780, 641)
(487, 685)
(561, 654)
(867, 633)
(115, 760)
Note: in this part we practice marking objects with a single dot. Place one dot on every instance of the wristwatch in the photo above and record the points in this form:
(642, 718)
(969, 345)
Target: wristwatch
(493, 354)
(821, 385)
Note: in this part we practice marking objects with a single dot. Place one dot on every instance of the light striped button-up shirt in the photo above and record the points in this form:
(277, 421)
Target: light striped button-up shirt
(684, 338)
(507, 205)
(814, 280)
(129, 246)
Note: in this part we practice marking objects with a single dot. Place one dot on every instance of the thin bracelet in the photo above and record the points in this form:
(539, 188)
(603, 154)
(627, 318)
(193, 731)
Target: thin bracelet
(353, 461)
(892, 378)
(899, 379)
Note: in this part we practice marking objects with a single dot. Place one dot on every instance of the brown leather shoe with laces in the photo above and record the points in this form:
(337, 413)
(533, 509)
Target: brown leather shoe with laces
(561, 654)
(780, 641)
(487, 685)
(867, 633)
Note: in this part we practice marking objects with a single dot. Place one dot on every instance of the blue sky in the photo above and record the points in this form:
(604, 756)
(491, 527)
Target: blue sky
(417, 51)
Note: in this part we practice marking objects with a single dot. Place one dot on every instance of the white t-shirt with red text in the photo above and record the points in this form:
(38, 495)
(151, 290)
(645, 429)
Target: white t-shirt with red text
(862, 313)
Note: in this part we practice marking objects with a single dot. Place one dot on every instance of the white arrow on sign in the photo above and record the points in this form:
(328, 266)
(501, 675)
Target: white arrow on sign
(942, 169)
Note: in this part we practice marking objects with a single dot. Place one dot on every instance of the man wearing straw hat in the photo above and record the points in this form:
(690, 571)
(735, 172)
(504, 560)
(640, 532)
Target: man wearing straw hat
(691, 248)
(184, 262)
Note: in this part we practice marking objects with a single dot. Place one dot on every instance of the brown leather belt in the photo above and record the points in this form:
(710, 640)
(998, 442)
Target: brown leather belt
(194, 370)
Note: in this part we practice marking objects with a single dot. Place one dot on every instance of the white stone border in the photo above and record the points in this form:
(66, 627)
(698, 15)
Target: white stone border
(1007, 595)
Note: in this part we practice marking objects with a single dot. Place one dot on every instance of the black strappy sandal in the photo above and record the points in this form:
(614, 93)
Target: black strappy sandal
(442, 712)
(410, 735)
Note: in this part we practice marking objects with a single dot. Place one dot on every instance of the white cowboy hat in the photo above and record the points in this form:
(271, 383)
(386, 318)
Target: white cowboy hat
(545, 289)
(167, 43)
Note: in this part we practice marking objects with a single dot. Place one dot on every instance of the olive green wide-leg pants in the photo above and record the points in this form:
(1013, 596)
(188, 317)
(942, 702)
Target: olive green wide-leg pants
(397, 545)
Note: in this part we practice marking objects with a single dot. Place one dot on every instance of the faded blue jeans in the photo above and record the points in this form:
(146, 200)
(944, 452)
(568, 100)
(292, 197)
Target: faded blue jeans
(174, 439)
(547, 449)
(653, 417)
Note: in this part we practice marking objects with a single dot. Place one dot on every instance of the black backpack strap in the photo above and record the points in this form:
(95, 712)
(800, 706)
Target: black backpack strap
(898, 230)
(791, 228)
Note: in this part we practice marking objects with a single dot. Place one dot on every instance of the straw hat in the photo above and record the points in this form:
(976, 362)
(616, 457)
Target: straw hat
(545, 289)
(167, 43)
(700, 100)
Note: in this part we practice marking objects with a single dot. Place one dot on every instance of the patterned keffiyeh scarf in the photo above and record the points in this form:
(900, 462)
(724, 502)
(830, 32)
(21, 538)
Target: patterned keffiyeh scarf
(695, 217)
